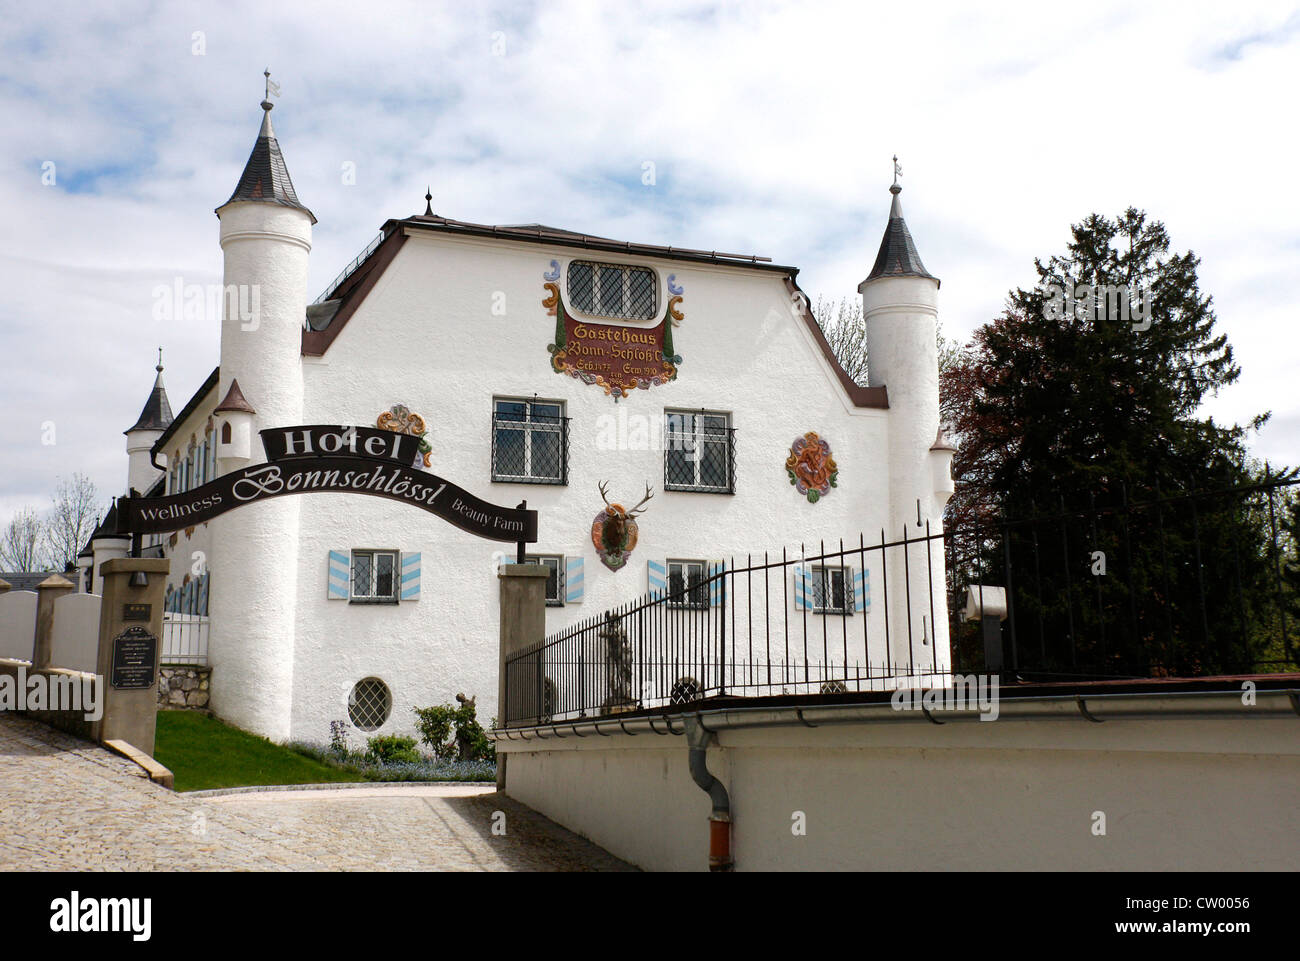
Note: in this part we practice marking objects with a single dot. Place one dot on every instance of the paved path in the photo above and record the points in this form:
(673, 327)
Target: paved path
(66, 804)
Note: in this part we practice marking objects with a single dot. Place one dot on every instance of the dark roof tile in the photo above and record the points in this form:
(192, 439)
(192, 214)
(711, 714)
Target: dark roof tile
(898, 256)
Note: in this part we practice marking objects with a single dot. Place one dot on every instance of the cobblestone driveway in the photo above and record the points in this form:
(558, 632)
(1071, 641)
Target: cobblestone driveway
(66, 804)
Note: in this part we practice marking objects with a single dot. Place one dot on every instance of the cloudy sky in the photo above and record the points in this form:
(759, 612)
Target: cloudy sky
(770, 126)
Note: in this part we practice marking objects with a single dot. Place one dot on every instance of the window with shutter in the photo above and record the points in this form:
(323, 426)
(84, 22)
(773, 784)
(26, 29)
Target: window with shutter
(374, 577)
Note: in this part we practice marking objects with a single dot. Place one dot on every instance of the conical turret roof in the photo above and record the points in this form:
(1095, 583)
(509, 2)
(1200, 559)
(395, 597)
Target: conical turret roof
(157, 412)
(898, 256)
(266, 178)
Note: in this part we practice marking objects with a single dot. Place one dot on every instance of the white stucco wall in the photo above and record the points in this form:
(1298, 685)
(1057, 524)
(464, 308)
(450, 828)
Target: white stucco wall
(251, 645)
(426, 337)
(192, 549)
(285, 658)
(1185, 794)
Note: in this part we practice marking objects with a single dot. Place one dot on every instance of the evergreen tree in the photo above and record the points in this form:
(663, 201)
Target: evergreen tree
(1082, 398)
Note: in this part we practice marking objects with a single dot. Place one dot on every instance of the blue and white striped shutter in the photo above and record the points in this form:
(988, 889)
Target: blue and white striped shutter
(715, 586)
(203, 594)
(861, 590)
(573, 580)
(657, 577)
(803, 588)
(189, 597)
(340, 576)
(410, 577)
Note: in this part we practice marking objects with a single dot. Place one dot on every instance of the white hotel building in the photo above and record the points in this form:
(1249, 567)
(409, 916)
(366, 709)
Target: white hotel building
(338, 606)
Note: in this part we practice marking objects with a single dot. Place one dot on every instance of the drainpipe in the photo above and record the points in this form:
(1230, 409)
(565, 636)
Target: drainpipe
(697, 737)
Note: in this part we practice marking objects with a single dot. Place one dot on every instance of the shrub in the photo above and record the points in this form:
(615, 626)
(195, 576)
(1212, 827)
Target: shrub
(392, 749)
(339, 738)
(470, 742)
(427, 769)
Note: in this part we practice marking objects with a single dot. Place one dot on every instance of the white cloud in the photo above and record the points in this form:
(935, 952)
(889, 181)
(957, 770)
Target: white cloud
(771, 127)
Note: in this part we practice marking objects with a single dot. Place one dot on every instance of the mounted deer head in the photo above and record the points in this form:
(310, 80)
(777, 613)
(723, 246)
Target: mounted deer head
(614, 532)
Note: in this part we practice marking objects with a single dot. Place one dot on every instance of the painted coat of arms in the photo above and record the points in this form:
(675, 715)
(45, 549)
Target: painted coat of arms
(811, 467)
(401, 420)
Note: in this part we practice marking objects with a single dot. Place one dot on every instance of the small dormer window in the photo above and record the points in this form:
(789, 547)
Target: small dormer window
(612, 290)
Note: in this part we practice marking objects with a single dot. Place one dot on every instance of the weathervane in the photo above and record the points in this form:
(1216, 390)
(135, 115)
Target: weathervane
(898, 171)
(271, 86)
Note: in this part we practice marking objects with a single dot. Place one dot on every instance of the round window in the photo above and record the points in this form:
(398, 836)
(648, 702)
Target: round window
(369, 704)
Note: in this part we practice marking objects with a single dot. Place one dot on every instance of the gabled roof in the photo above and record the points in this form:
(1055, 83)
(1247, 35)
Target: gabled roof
(23, 580)
(542, 234)
(327, 318)
(266, 178)
(898, 256)
(157, 412)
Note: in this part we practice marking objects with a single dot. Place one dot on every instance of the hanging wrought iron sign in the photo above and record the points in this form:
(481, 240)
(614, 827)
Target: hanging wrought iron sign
(330, 458)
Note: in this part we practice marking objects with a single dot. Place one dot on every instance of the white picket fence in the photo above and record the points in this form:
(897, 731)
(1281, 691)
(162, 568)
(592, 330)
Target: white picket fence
(185, 638)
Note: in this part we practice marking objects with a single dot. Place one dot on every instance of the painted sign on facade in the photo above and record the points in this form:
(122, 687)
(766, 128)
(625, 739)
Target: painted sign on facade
(617, 358)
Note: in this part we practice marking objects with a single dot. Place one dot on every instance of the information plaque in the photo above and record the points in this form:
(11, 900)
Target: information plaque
(135, 659)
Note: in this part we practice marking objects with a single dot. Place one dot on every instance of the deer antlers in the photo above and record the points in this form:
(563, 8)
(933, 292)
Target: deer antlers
(635, 510)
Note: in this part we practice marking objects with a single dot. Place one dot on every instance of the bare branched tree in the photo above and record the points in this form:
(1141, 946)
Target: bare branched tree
(847, 335)
(21, 544)
(71, 521)
(846, 332)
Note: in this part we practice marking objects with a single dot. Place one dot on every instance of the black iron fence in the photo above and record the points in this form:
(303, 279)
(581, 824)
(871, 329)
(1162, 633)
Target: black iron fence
(1188, 584)
(852, 617)
(1173, 584)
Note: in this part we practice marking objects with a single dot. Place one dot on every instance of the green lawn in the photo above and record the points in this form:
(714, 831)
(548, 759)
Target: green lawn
(204, 754)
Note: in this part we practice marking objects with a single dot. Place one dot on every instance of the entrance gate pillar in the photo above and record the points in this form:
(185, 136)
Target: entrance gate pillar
(522, 592)
(130, 645)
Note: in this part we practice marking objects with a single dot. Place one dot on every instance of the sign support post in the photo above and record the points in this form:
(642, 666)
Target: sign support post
(129, 650)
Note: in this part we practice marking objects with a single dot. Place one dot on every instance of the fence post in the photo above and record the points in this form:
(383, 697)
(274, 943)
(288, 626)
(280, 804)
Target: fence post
(522, 599)
(47, 591)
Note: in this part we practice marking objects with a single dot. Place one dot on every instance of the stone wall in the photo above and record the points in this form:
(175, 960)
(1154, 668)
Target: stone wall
(182, 687)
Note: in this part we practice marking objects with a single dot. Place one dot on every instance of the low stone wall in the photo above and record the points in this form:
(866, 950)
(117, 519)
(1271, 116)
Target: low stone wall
(72, 721)
(184, 687)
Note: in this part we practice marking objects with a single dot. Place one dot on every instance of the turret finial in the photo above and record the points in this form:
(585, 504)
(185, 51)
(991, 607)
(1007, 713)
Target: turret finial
(159, 368)
(271, 88)
(428, 202)
(898, 172)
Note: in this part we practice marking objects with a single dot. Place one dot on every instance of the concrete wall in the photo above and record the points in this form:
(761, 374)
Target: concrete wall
(1178, 793)
(75, 634)
(17, 624)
